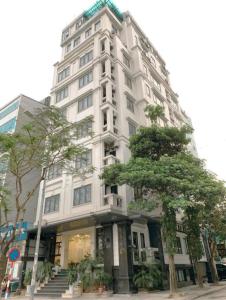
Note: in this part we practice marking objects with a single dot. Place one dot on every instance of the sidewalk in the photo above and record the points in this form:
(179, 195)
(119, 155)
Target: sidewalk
(186, 293)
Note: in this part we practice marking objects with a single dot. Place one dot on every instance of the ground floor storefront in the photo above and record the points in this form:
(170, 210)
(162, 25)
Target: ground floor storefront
(120, 244)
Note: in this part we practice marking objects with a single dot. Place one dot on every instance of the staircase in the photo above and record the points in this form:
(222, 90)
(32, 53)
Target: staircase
(55, 287)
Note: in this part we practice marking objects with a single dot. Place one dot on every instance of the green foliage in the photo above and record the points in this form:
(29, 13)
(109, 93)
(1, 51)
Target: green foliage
(45, 140)
(154, 142)
(153, 112)
(44, 271)
(149, 276)
(162, 172)
(27, 277)
(86, 269)
(72, 273)
(102, 278)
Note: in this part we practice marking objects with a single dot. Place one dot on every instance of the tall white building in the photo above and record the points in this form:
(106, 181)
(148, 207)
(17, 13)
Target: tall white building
(109, 70)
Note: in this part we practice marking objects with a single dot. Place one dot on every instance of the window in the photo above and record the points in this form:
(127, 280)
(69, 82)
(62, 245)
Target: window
(180, 275)
(9, 109)
(142, 246)
(54, 171)
(135, 246)
(88, 32)
(148, 91)
(63, 74)
(114, 29)
(8, 126)
(85, 79)
(62, 94)
(83, 160)
(86, 58)
(178, 246)
(128, 81)
(102, 45)
(84, 129)
(97, 25)
(68, 47)
(126, 60)
(52, 204)
(132, 128)
(82, 195)
(142, 241)
(156, 83)
(65, 35)
(186, 246)
(130, 104)
(157, 100)
(85, 103)
(76, 41)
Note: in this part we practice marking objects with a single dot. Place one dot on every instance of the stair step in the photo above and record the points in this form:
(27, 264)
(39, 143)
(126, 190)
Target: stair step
(44, 295)
(60, 291)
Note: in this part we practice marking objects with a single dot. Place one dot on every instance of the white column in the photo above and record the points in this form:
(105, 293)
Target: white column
(115, 245)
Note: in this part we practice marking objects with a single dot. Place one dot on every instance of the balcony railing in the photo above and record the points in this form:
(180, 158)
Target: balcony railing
(113, 200)
(110, 160)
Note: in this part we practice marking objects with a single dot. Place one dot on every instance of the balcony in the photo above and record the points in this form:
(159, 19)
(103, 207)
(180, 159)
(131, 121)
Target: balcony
(110, 160)
(113, 200)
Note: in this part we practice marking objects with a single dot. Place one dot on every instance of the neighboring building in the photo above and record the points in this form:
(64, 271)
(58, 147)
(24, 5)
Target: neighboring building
(12, 117)
(109, 70)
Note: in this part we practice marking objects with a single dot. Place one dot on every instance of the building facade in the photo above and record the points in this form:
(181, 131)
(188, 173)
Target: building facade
(12, 117)
(110, 71)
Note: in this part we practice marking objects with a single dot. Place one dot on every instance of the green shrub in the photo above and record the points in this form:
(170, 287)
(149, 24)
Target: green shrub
(27, 277)
(149, 277)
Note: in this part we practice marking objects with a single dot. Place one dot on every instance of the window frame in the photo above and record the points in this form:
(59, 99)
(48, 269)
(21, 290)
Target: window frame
(130, 104)
(97, 25)
(86, 58)
(88, 32)
(56, 204)
(85, 79)
(61, 94)
(88, 99)
(84, 157)
(83, 191)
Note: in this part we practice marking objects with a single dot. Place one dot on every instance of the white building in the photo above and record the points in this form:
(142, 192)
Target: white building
(108, 70)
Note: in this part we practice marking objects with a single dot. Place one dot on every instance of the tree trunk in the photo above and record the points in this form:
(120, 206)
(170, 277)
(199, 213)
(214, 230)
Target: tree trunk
(172, 277)
(213, 263)
(199, 274)
(3, 263)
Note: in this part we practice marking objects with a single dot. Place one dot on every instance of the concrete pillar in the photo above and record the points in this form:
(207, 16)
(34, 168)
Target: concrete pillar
(124, 282)
(108, 248)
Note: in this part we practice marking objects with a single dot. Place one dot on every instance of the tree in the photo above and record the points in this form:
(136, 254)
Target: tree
(213, 220)
(162, 173)
(45, 140)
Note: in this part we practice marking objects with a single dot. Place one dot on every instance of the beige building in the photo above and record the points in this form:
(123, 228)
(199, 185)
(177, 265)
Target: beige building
(111, 71)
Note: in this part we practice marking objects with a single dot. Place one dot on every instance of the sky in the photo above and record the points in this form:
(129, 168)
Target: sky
(188, 34)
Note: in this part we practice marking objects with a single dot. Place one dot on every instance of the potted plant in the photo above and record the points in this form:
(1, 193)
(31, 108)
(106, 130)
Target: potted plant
(72, 275)
(148, 277)
(40, 276)
(48, 270)
(86, 269)
(27, 280)
(102, 280)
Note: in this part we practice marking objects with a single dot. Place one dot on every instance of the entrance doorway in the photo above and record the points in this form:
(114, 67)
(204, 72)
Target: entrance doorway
(79, 246)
